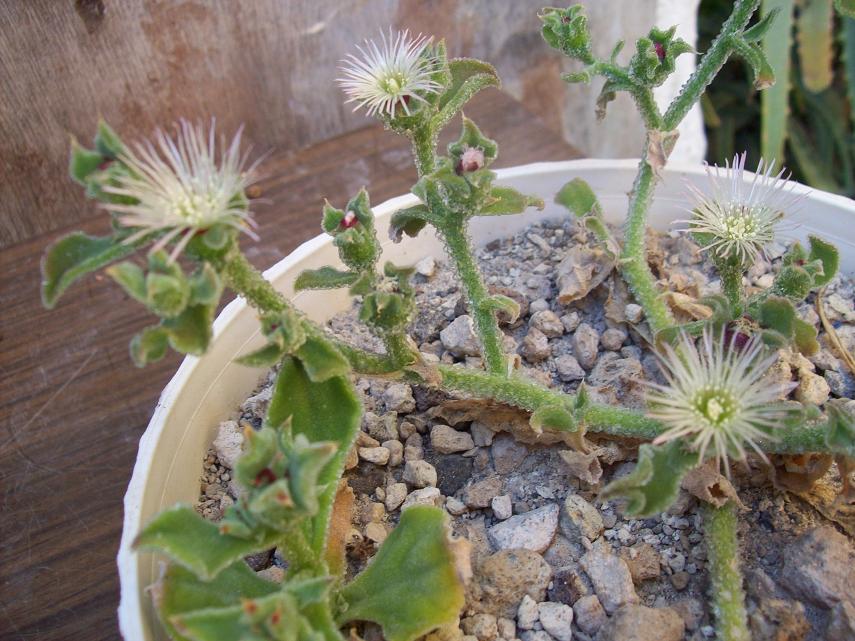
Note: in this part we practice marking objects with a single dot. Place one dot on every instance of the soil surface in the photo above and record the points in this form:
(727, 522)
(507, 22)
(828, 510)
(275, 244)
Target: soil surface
(550, 561)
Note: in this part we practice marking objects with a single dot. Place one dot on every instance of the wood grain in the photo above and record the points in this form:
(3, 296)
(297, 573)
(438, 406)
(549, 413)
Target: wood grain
(72, 407)
(269, 64)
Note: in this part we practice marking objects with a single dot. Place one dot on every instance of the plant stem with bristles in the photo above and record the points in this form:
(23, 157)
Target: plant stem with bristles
(720, 525)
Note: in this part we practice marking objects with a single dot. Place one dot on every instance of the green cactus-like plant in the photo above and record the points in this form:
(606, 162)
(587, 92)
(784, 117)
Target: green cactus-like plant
(291, 467)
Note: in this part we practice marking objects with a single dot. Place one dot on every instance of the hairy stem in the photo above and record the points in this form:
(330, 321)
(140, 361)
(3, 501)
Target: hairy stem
(725, 575)
(461, 253)
(636, 271)
(424, 153)
(710, 64)
(731, 283)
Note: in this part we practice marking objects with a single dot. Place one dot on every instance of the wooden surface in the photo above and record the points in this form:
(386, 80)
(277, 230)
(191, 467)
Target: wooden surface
(72, 406)
(269, 64)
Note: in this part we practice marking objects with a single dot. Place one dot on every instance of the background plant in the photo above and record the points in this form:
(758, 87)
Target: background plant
(806, 120)
(292, 466)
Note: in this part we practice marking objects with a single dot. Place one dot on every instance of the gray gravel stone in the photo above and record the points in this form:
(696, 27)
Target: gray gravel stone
(419, 474)
(502, 508)
(640, 623)
(447, 440)
(818, 568)
(812, 388)
(376, 455)
(535, 346)
(556, 619)
(589, 614)
(398, 397)
(532, 530)
(527, 613)
(580, 518)
(395, 495)
(228, 443)
(568, 368)
(610, 577)
(424, 496)
(480, 493)
(613, 339)
(507, 453)
(634, 313)
(586, 340)
(571, 321)
(505, 577)
(548, 323)
(459, 337)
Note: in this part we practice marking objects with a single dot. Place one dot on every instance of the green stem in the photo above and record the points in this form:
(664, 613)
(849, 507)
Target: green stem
(246, 281)
(710, 64)
(636, 271)
(461, 253)
(648, 108)
(728, 596)
(731, 284)
(424, 154)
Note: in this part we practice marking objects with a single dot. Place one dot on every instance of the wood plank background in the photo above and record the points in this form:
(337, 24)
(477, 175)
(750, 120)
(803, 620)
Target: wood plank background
(72, 406)
(267, 63)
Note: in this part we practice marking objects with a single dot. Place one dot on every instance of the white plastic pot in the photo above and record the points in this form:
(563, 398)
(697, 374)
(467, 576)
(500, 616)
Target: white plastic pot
(208, 389)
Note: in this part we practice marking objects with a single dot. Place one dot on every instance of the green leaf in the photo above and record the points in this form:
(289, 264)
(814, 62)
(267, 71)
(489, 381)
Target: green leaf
(775, 101)
(778, 314)
(266, 356)
(758, 30)
(805, 337)
(502, 201)
(471, 137)
(654, 483)
(324, 278)
(179, 591)
(73, 256)
(507, 310)
(828, 255)
(83, 162)
(149, 345)
(206, 287)
(553, 417)
(131, 278)
(468, 77)
(409, 221)
(814, 35)
(107, 141)
(578, 197)
(322, 360)
(190, 332)
(167, 296)
(840, 429)
(845, 7)
(325, 411)
(195, 543)
(411, 586)
(793, 282)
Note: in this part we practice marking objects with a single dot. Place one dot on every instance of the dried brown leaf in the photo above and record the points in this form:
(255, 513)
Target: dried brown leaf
(687, 308)
(581, 270)
(706, 483)
(340, 523)
(660, 144)
(584, 466)
(619, 298)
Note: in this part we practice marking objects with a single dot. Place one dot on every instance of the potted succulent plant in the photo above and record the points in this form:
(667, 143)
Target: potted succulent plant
(711, 405)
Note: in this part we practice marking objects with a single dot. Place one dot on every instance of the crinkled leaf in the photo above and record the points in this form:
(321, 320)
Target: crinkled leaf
(553, 417)
(180, 591)
(793, 282)
(408, 221)
(579, 198)
(840, 429)
(778, 314)
(756, 32)
(468, 77)
(149, 345)
(654, 483)
(107, 141)
(828, 255)
(195, 543)
(190, 332)
(206, 287)
(805, 337)
(131, 278)
(83, 162)
(167, 296)
(266, 356)
(507, 200)
(325, 411)
(412, 585)
(74, 256)
(321, 360)
(762, 72)
(324, 278)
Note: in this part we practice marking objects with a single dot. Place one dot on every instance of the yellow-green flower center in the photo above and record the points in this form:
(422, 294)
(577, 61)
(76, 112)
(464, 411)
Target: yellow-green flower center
(715, 406)
(740, 223)
(393, 83)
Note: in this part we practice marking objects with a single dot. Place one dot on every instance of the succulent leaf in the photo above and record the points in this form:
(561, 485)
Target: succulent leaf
(74, 256)
(828, 255)
(321, 360)
(654, 483)
(413, 584)
(502, 201)
(149, 345)
(840, 429)
(408, 221)
(324, 278)
(468, 77)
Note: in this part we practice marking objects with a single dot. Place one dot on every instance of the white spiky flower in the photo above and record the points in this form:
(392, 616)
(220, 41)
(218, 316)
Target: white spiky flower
(741, 218)
(183, 185)
(385, 77)
(715, 396)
